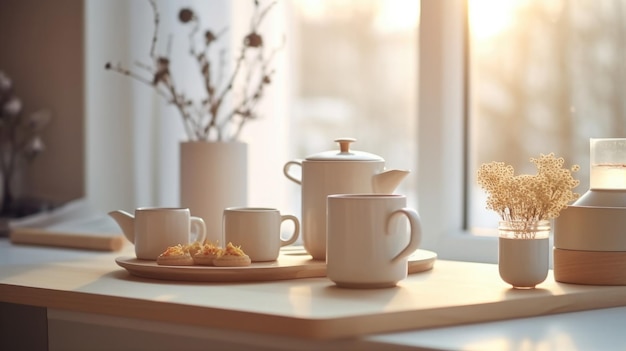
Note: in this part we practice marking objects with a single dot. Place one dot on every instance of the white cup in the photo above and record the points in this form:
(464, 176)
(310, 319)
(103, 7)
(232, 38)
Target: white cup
(368, 243)
(155, 229)
(258, 231)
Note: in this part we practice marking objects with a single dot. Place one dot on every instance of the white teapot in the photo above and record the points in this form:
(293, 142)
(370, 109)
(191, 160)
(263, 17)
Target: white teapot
(342, 171)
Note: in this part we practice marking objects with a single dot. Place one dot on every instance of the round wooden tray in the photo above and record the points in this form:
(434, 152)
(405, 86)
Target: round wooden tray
(291, 264)
(590, 267)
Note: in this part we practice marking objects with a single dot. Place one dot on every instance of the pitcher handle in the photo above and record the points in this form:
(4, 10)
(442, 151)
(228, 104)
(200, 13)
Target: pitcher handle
(416, 232)
(287, 167)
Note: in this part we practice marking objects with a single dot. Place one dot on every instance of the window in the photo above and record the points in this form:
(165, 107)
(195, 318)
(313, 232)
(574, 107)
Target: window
(355, 65)
(374, 95)
(358, 76)
(441, 137)
(545, 76)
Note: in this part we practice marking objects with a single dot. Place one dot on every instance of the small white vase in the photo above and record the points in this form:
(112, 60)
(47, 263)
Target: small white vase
(523, 252)
(213, 176)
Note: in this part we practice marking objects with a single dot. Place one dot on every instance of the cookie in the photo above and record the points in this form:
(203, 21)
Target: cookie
(232, 261)
(206, 254)
(232, 256)
(175, 256)
(193, 247)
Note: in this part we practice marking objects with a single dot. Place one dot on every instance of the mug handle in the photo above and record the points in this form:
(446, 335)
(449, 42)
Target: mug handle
(296, 230)
(416, 232)
(198, 227)
(286, 171)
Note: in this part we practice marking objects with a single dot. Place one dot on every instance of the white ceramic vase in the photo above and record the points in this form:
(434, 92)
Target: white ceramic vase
(523, 252)
(213, 176)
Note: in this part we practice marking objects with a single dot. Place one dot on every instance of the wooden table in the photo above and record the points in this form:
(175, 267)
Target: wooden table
(89, 284)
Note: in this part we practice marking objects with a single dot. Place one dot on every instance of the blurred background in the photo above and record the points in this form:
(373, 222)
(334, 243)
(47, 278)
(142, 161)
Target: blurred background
(541, 77)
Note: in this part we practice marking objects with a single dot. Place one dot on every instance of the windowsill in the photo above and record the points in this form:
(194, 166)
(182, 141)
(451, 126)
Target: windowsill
(465, 246)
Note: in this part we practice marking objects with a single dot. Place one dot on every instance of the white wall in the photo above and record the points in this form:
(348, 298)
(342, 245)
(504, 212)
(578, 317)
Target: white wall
(42, 52)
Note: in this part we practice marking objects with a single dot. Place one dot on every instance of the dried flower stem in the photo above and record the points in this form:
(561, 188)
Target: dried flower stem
(523, 229)
(528, 197)
(205, 119)
(19, 138)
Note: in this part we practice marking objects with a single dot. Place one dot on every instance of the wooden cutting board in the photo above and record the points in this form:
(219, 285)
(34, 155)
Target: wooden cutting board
(74, 240)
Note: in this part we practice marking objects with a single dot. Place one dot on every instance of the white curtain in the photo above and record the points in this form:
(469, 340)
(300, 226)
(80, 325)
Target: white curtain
(133, 135)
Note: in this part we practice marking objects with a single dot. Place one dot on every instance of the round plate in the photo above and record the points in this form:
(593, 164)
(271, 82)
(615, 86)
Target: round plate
(291, 264)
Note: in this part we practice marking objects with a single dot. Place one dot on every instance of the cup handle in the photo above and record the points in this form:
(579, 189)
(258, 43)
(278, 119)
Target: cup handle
(296, 230)
(198, 227)
(416, 232)
(287, 167)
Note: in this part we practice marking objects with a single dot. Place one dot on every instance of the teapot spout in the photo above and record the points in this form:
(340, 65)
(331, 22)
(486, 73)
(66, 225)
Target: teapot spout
(126, 221)
(386, 182)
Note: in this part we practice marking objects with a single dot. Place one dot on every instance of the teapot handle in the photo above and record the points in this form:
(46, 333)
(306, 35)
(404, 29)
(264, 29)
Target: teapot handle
(286, 169)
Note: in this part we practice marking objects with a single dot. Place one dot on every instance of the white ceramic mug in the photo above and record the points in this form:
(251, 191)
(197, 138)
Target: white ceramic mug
(258, 231)
(155, 229)
(368, 244)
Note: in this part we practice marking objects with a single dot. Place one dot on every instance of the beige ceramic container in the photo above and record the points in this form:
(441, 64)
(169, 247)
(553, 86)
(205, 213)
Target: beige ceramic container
(590, 245)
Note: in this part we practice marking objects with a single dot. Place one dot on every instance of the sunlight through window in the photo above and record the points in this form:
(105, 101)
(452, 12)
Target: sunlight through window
(543, 77)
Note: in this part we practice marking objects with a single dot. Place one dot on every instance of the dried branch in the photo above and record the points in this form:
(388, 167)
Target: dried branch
(156, 28)
(204, 119)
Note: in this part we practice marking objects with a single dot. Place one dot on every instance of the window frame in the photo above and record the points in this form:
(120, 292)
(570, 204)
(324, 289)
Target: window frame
(443, 138)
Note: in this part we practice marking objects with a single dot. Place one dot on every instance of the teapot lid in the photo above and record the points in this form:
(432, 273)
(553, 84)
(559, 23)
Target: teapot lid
(344, 153)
